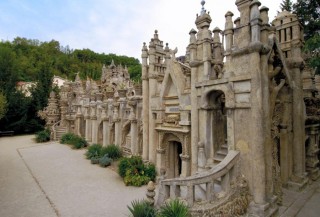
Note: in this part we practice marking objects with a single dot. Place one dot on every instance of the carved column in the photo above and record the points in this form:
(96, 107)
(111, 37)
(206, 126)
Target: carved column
(134, 127)
(312, 160)
(185, 165)
(88, 123)
(79, 117)
(228, 32)
(105, 122)
(298, 118)
(117, 126)
(160, 153)
(145, 107)
(94, 124)
(194, 101)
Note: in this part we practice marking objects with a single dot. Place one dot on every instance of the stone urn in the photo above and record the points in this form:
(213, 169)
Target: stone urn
(109, 94)
(122, 93)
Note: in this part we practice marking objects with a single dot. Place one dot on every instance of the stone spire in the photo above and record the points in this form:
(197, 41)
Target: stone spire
(203, 11)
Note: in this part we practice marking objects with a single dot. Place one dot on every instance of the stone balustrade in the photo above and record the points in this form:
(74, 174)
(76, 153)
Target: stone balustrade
(224, 173)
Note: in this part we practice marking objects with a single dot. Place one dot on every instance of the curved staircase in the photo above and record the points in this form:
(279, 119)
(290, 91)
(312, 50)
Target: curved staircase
(211, 192)
(58, 131)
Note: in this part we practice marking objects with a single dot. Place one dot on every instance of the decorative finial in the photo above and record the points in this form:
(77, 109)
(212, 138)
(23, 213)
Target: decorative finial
(203, 2)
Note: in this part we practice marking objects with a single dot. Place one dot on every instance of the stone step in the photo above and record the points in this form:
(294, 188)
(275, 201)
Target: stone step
(224, 147)
(222, 152)
(217, 159)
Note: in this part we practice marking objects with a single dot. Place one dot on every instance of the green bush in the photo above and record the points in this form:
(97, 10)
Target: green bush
(67, 138)
(127, 163)
(95, 160)
(134, 172)
(43, 136)
(135, 179)
(71, 139)
(78, 142)
(105, 161)
(113, 151)
(174, 208)
(150, 171)
(94, 151)
(142, 209)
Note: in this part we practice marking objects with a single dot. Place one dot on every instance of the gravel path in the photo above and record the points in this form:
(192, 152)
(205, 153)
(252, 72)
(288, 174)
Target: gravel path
(53, 180)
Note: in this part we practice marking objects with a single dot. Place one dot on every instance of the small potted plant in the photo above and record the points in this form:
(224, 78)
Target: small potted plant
(122, 91)
(109, 92)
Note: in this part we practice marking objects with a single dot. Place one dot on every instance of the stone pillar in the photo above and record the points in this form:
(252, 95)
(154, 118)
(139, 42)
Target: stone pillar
(259, 205)
(117, 126)
(255, 21)
(133, 127)
(134, 137)
(284, 155)
(79, 117)
(194, 101)
(152, 93)
(94, 123)
(207, 53)
(228, 32)
(152, 137)
(243, 29)
(185, 165)
(145, 106)
(105, 125)
(298, 113)
(88, 123)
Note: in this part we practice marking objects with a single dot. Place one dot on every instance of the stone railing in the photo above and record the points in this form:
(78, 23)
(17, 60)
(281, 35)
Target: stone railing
(223, 173)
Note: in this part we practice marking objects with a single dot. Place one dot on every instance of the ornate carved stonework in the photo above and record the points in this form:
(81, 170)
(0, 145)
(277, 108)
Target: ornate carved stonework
(235, 204)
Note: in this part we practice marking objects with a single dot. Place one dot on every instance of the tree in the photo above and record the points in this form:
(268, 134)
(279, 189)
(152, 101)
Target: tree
(308, 12)
(3, 105)
(286, 5)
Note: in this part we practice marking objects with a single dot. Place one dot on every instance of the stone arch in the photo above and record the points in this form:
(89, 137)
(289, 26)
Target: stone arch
(100, 132)
(173, 137)
(125, 131)
(173, 145)
(216, 108)
(224, 88)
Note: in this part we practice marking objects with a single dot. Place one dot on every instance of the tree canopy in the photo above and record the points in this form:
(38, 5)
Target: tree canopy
(286, 5)
(3, 105)
(308, 12)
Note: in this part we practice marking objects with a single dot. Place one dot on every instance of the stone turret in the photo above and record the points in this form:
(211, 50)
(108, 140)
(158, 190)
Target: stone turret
(51, 114)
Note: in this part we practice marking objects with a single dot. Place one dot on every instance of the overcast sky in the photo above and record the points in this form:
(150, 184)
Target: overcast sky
(111, 26)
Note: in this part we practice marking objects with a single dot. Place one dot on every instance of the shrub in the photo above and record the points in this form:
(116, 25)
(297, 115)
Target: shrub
(43, 136)
(134, 172)
(150, 171)
(67, 138)
(95, 160)
(135, 179)
(113, 151)
(71, 139)
(127, 163)
(142, 209)
(105, 161)
(78, 142)
(174, 208)
(94, 151)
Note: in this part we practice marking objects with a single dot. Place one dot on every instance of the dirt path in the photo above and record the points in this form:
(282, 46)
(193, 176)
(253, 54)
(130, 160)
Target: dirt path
(53, 180)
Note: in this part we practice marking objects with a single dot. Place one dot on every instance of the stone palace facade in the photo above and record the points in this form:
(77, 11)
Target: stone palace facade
(228, 126)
